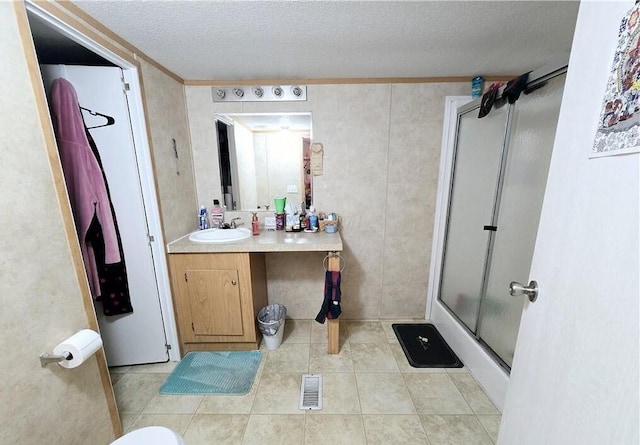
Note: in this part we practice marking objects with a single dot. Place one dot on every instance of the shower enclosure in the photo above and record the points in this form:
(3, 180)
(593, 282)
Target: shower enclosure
(499, 174)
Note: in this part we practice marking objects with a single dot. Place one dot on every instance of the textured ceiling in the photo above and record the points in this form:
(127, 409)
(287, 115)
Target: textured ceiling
(241, 40)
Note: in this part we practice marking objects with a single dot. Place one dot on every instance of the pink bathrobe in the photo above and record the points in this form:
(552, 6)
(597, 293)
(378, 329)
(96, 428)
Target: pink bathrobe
(82, 174)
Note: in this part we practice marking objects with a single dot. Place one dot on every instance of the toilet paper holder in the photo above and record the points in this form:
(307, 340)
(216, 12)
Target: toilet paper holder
(46, 358)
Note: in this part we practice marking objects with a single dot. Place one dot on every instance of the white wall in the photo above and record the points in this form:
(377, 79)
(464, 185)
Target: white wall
(575, 374)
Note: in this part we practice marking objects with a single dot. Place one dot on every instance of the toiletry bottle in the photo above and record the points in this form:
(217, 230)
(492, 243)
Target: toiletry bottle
(203, 220)
(255, 224)
(217, 214)
(313, 218)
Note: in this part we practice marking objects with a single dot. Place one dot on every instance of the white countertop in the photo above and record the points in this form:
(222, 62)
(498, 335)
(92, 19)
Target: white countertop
(267, 241)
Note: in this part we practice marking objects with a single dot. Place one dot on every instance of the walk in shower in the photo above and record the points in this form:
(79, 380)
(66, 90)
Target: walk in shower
(499, 174)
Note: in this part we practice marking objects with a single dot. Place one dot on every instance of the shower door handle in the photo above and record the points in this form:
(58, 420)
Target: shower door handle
(516, 289)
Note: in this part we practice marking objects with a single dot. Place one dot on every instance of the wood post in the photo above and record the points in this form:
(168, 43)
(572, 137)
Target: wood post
(333, 326)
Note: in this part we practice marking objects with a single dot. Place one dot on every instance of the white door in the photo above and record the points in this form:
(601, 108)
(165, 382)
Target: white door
(575, 376)
(138, 337)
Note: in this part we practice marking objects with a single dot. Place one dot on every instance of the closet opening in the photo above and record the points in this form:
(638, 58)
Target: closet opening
(120, 232)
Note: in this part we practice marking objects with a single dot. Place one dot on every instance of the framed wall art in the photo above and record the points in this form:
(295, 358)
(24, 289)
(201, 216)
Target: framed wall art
(619, 125)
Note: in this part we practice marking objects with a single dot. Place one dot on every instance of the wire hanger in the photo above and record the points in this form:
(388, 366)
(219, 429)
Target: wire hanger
(110, 120)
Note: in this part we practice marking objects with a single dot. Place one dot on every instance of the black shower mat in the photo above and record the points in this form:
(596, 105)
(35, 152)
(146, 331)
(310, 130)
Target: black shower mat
(424, 346)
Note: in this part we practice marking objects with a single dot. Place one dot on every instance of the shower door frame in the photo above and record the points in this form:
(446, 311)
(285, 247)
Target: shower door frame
(497, 197)
(482, 362)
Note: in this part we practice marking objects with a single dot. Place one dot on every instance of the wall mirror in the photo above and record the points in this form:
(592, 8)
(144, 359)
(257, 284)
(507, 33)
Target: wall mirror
(264, 155)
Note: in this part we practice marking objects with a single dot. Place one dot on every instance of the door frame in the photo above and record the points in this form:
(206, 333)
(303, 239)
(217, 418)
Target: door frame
(141, 139)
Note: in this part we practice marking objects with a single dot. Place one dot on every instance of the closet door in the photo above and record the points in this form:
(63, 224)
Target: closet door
(476, 169)
(533, 128)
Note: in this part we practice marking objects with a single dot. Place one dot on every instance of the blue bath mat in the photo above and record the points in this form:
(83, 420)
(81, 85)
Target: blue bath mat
(218, 373)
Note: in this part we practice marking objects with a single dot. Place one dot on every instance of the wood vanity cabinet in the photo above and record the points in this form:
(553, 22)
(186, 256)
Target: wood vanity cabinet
(217, 297)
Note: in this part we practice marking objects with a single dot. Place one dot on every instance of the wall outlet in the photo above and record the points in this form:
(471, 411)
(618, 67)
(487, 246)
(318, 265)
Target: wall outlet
(292, 189)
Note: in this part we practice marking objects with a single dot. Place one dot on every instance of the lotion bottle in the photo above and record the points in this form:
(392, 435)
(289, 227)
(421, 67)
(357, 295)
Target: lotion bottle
(255, 224)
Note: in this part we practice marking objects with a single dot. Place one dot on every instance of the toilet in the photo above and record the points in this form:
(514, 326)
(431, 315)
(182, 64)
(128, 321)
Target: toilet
(156, 435)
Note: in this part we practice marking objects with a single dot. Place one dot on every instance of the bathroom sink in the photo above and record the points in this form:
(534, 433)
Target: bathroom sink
(219, 235)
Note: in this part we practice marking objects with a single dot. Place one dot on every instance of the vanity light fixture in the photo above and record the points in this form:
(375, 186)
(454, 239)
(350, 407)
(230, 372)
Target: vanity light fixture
(259, 93)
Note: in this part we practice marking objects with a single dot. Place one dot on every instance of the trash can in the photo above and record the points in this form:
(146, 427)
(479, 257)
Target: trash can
(271, 323)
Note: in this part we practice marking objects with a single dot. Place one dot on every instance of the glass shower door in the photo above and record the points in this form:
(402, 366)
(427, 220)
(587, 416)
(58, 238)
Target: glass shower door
(532, 131)
(476, 169)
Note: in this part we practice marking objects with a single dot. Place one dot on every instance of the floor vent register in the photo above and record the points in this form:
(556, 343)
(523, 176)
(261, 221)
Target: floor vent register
(311, 392)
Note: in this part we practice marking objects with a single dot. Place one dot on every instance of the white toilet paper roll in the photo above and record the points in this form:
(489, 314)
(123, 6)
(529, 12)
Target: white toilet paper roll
(81, 345)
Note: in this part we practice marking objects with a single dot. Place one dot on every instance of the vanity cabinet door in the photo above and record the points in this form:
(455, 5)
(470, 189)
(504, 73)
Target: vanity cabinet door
(214, 302)
(216, 298)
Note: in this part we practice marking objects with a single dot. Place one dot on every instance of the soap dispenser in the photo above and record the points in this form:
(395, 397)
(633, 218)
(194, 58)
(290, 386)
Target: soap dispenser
(255, 224)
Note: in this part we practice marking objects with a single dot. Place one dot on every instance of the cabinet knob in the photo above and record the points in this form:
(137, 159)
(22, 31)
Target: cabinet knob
(233, 282)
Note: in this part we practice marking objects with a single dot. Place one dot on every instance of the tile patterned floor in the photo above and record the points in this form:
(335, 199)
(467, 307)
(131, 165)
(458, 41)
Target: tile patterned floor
(371, 396)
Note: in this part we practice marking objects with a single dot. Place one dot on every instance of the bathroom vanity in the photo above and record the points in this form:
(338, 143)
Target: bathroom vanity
(218, 288)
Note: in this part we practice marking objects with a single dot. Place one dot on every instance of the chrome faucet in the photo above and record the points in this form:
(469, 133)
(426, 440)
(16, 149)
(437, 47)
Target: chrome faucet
(234, 224)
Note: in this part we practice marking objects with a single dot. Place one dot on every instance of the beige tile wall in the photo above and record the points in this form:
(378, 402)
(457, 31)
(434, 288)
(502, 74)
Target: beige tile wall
(382, 151)
(40, 296)
(167, 119)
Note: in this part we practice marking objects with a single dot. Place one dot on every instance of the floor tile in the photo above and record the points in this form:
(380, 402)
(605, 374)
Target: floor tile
(491, 425)
(288, 358)
(404, 366)
(321, 361)
(297, 331)
(371, 395)
(334, 429)
(278, 393)
(173, 404)
(366, 332)
(175, 422)
(473, 394)
(373, 357)
(454, 430)
(115, 377)
(134, 391)
(396, 430)
(228, 404)
(274, 430)
(382, 393)
(319, 332)
(127, 421)
(339, 394)
(166, 367)
(435, 394)
(207, 429)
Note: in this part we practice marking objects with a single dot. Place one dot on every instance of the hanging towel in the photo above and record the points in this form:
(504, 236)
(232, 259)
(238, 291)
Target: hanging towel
(488, 99)
(331, 305)
(84, 180)
(515, 87)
